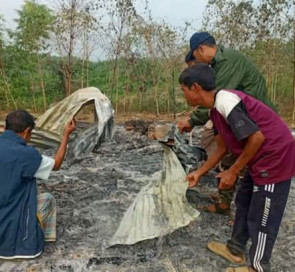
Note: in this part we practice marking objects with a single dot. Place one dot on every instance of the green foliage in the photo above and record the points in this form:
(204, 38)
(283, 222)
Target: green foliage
(34, 24)
(48, 55)
(263, 30)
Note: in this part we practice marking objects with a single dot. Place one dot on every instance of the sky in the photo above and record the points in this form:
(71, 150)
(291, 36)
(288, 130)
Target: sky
(175, 12)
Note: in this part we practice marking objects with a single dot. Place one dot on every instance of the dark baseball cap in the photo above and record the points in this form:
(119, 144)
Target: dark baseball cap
(195, 41)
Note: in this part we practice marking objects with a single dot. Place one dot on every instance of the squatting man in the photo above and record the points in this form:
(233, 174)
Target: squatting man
(27, 219)
(260, 140)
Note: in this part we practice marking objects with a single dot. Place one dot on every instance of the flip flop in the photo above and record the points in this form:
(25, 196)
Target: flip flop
(223, 251)
(238, 269)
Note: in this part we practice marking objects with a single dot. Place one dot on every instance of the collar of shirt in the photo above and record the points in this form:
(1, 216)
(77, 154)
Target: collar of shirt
(9, 134)
(219, 56)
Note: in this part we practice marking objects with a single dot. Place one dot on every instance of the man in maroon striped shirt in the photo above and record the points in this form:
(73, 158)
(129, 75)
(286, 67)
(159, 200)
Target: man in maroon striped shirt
(261, 142)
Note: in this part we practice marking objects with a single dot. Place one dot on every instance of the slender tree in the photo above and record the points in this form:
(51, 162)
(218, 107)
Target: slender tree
(73, 18)
(7, 90)
(33, 30)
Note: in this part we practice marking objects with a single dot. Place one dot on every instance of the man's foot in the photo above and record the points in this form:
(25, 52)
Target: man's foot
(223, 251)
(219, 208)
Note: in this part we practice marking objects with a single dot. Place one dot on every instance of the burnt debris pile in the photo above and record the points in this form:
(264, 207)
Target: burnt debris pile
(92, 197)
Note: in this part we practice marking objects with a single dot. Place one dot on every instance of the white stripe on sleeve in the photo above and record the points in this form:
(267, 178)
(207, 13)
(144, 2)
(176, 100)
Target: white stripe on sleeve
(225, 102)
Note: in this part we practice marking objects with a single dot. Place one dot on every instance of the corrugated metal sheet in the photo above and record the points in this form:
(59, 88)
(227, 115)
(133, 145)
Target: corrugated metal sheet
(50, 126)
(159, 208)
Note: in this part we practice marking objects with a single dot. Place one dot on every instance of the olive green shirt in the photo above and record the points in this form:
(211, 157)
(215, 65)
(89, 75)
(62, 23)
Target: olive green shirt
(233, 71)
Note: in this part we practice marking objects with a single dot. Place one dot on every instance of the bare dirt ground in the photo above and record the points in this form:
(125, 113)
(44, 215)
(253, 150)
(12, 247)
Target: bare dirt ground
(92, 197)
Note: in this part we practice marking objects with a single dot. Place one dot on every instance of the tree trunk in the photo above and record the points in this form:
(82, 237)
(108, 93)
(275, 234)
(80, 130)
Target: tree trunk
(168, 97)
(32, 88)
(71, 48)
(173, 93)
(8, 92)
(63, 68)
(87, 63)
(140, 97)
(156, 100)
(40, 72)
(82, 74)
(118, 52)
(117, 80)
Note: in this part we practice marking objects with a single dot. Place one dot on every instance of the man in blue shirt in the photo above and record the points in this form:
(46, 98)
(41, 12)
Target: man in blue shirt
(27, 219)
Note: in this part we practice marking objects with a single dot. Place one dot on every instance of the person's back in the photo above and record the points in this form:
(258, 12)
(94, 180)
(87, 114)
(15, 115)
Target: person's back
(278, 149)
(235, 71)
(27, 219)
(20, 233)
(232, 70)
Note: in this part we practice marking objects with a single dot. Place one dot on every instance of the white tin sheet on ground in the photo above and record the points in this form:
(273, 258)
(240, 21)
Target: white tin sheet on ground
(159, 208)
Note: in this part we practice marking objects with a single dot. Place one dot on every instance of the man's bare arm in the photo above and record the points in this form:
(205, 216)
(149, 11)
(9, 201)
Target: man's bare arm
(194, 177)
(60, 154)
(228, 177)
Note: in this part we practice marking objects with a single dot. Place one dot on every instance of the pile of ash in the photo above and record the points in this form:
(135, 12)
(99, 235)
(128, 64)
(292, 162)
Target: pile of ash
(138, 125)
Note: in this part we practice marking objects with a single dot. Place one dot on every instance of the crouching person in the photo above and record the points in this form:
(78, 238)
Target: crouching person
(261, 141)
(27, 219)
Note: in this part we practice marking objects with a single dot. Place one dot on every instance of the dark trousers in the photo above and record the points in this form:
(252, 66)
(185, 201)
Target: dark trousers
(259, 212)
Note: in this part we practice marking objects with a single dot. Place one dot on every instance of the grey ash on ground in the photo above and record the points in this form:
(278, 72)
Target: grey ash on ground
(92, 197)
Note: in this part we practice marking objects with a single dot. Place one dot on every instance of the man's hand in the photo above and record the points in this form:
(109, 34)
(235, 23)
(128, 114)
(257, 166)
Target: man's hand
(227, 179)
(60, 154)
(70, 127)
(193, 178)
(184, 126)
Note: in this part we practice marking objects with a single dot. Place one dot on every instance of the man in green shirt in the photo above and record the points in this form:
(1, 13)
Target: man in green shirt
(232, 71)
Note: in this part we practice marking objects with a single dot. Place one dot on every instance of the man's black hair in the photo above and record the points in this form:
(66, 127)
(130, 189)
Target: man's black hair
(19, 120)
(200, 73)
